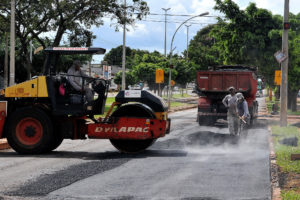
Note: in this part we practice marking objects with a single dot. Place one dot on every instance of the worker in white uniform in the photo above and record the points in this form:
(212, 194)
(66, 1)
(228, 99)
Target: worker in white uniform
(243, 111)
(230, 102)
(75, 77)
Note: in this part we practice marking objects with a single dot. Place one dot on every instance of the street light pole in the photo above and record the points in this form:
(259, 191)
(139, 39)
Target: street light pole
(284, 68)
(187, 41)
(124, 49)
(171, 52)
(12, 43)
(165, 45)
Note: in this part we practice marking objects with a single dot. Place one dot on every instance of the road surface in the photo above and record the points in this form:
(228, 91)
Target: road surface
(190, 163)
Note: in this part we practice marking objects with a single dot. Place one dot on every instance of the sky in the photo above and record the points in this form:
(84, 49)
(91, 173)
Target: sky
(148, 34)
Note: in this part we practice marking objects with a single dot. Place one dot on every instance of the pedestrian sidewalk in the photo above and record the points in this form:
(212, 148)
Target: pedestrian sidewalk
(263, 112)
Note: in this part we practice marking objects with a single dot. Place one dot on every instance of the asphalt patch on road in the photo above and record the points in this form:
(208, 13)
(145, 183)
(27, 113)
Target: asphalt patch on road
(174, 143)
(296, 124)
(123, 198)
(51, 182)
(203, 138)
(198, 198)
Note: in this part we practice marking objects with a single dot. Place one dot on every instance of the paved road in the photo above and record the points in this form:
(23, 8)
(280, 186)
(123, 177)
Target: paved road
(191, 163)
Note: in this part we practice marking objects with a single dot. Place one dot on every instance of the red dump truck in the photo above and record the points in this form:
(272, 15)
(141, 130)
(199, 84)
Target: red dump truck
(212, 86)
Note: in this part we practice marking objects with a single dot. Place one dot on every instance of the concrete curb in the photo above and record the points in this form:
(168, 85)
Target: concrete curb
(4, 144)
(276, 191)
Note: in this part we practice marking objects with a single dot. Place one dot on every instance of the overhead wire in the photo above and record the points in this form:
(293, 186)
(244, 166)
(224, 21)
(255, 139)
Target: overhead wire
(181, 15)
(175, 22)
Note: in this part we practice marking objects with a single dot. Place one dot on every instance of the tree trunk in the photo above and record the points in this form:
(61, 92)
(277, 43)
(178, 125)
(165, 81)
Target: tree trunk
(270, 94)
(26, 64)
(292, 100)
(289, 103)
(28, 67)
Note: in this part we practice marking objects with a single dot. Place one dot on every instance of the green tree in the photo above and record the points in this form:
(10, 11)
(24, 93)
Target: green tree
(145, 65)
(202, 51)
(114, 56)
(185, 72)
(247, 37)
(294, 62)
(34, 18)
(130, 78)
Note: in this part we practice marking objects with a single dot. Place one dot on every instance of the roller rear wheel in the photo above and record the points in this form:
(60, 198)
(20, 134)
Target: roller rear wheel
(29, 131)
(132, 146)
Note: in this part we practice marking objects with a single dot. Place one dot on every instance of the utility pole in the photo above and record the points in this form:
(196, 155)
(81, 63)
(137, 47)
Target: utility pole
(12, 43)
(124, 49)
(284, 66)
(5, 71)
(187, 41)
(166, 10)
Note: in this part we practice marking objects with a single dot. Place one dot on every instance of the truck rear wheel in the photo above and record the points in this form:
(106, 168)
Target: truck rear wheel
(206, 120)
(132, 146)
(30, 131)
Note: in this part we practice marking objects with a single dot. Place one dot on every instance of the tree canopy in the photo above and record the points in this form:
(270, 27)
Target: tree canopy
(71, 17)
(249, 37)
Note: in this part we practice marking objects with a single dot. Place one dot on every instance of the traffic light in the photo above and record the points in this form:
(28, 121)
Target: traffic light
(286, 25)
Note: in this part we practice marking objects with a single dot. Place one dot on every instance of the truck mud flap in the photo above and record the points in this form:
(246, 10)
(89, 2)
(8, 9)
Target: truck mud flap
(128, 129)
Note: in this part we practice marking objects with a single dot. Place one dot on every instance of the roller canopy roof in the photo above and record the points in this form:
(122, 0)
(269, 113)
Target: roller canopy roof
(74, 50)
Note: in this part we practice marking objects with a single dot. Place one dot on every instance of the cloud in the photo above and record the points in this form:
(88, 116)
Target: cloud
(276, 6)
(200, 6)
(149, 35)
(177, 6)
(138, 30)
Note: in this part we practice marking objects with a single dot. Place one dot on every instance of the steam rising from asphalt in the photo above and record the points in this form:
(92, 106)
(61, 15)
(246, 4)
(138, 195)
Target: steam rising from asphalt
(217, 141)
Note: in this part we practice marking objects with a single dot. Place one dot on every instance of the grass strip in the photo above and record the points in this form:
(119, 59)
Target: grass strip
(110, 100)
(283, 155)
(290, 195)
(283, 152)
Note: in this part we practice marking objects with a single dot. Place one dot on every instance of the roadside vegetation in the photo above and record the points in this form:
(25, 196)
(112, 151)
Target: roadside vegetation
(270, 104)
(247, 36)
(288, 168)
(290, 195)
(110, 100)
(179, 96)
(283, 152)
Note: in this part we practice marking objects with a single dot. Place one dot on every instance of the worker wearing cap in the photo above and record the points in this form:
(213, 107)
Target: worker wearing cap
(75, 75)
(230, 102)
(243, 110)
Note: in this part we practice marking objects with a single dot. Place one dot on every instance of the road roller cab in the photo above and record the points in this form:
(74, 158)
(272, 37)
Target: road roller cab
(38, 114)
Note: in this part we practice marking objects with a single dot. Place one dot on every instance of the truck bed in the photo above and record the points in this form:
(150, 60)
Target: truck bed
(216, 82)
